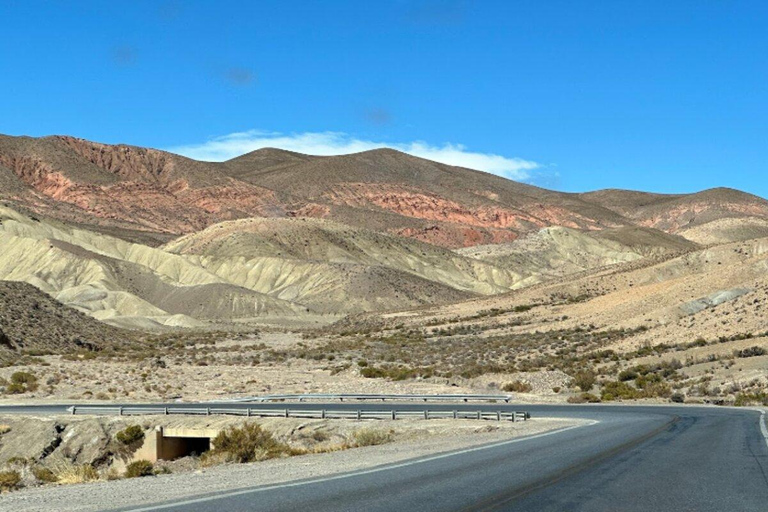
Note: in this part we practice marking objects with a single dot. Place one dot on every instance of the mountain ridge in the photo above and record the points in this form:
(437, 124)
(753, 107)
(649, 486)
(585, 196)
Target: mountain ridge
(129, 189)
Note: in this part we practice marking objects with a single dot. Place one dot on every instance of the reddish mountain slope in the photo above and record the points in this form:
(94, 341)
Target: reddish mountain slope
(145, 193)
(673, 213)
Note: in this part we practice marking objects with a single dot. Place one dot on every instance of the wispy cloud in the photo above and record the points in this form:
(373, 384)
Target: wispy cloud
(336, 143)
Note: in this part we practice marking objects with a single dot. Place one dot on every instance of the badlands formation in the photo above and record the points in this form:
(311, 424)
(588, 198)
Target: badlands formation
(378, 270)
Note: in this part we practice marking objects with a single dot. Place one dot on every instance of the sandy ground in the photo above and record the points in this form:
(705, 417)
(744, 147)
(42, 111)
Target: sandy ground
(428, 438)
(178, 379)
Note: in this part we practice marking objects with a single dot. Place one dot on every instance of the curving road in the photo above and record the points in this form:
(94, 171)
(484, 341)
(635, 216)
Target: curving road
(633, 458)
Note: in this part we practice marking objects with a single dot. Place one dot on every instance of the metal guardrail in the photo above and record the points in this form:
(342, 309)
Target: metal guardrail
(301, 413)
(373, 396)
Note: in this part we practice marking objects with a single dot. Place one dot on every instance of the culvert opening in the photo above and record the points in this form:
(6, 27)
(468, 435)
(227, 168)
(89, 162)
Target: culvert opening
(177, 447)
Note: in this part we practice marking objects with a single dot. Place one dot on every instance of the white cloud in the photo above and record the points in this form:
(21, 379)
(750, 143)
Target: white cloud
(229, 146)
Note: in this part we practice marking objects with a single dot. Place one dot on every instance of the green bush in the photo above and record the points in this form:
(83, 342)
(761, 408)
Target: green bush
(248, 443)
(139, 468)
(9, 480)
(130, 435)
(619, 390)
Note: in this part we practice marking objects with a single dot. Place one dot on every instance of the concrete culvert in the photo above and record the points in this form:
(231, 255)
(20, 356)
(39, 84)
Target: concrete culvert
(174, 443)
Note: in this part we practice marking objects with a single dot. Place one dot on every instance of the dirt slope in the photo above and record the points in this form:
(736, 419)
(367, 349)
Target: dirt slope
(30, 320)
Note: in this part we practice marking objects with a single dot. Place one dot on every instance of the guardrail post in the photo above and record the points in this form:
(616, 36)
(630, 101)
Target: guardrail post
(514, 417)
(248, 412)
(286, 413)
(426, 414)
(455, 415)
(394, 414)
(120, 411)
(166, 411)
(359, 414)
(73, 409)
(478, 415)
(207, 411)
(322, 414)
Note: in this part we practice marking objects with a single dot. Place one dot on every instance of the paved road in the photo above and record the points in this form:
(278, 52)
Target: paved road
(632, 459)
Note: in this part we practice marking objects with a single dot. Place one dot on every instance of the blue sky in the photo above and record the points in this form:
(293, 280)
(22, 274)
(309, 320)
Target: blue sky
(663, 96)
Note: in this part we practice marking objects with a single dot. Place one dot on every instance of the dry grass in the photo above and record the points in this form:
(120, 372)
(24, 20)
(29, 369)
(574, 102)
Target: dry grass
(371, 437)
(9, 480)
(68, 473)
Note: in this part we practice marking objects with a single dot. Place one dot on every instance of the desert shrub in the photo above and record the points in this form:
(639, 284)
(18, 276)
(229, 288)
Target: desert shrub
(371, 437)
(585, 380)
(650, 388)
(619, 391)
(75, 474)
(139, 468)
(750, 352)
(25, 378)
(743, 399)
(9, 480)
(517, 386)
(130, 435)
(677, 398)
(628, 374)
(44, 475)
(584, 398)
(4, 429)
(698, 342)
(248, 443)
(21, 382)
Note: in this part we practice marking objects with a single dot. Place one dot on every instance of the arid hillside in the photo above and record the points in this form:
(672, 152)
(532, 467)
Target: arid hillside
(692, 323)
(152, 196)
(31, 322)
(146, 239)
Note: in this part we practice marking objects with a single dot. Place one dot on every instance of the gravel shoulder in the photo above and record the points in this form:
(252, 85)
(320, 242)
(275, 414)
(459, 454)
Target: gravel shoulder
(437, 438)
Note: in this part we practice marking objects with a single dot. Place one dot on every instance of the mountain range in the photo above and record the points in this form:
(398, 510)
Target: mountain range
(143, 238)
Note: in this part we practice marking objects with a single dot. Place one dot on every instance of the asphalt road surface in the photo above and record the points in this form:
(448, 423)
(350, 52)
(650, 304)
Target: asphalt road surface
(633, 458)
